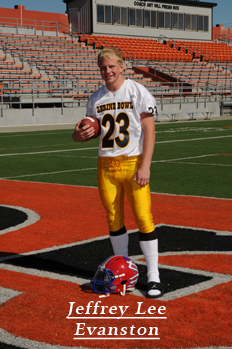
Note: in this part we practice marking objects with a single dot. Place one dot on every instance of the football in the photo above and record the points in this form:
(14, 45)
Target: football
(93, 122)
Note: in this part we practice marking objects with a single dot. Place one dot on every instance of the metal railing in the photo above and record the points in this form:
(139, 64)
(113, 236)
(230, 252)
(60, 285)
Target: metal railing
(188, 78)
(34, 24)
(58, 28)
(194, 51)
(18, 93)
(224, 39)
(68, 89)
(34, 60)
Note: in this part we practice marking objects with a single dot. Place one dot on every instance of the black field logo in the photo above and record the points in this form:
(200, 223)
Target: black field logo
(82, 259)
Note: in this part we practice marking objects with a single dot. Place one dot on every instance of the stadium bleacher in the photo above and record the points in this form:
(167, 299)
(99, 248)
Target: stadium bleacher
(63, 68)
(49, 58)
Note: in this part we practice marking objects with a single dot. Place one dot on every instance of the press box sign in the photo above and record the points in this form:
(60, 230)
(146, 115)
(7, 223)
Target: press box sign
(159, 6)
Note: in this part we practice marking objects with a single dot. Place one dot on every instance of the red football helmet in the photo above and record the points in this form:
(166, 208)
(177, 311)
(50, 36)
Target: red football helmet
(116, 274)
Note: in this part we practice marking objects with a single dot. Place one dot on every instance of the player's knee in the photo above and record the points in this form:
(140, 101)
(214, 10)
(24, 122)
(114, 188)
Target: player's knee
(115, 223)
(118, 232)
(145, 224)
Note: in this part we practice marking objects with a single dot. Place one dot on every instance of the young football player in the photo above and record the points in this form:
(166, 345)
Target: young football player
(126, 112)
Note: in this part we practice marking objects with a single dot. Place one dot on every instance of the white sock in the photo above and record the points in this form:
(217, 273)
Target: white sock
(150, 252)
(120, 244)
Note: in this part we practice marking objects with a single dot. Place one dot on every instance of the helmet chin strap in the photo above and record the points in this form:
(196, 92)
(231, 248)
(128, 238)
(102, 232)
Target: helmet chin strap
(104, 295)
(124, 286)
(124, 290)
(122, 293)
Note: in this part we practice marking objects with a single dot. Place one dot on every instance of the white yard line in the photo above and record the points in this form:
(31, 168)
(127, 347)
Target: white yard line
(193, 139)
(48, 151)
(67, 150)
(189, 157)
(95, 168)
(200, 163)
(50, 173)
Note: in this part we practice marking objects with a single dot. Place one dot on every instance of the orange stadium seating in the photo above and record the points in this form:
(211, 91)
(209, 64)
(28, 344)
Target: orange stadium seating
(46, 60)
(210, 50)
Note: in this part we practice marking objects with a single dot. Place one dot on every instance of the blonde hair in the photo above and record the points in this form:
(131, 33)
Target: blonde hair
(108, 53)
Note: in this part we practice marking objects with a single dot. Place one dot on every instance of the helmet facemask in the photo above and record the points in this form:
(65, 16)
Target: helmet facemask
(116, 275)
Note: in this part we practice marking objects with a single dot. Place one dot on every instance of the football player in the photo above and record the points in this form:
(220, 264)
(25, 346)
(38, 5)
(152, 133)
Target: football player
(126, 112)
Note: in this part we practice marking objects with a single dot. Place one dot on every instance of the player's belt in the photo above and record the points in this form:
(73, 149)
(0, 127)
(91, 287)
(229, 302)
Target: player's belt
(119, 163)
(120, 158)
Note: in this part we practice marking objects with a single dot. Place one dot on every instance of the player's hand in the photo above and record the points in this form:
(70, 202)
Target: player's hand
(142, 176)
(82, 134)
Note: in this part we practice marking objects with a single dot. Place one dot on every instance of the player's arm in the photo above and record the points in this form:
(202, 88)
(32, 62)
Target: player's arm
(148, 126)
(82, 134)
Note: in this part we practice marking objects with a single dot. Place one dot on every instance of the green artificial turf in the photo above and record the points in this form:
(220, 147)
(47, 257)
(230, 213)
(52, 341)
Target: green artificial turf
(190, 158)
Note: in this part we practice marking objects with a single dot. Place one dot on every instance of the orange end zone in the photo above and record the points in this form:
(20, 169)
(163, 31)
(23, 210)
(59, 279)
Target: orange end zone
(69, 214)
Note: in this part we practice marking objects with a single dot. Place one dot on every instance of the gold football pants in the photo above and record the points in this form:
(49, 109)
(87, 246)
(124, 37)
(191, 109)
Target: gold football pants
(115, 177)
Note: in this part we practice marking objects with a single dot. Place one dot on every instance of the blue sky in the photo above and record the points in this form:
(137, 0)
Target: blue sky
(36, 5)
(221, 13)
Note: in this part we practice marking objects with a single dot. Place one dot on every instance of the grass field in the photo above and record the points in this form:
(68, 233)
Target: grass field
(190, 158)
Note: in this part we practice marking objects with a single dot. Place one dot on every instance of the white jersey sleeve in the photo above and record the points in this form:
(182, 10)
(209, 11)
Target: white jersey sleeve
(146, 102)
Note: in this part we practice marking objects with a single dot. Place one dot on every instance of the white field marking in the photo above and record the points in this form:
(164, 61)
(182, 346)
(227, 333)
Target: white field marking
(50, 173)
(216, 279)
(217, 232)
(187, 195)
(189, 157)
(94, 168)
(74, 156)
(6, 294)
(66, 150)
(195, 129)
(155, 193)
(48, 151)
(27, 134)
(54, 248)
(32, 217)
(103, 237)
(38, 146)
(193, 139)
(30, 134)
(191, 253)
(200, 163)
(66, 156)
(45, 274)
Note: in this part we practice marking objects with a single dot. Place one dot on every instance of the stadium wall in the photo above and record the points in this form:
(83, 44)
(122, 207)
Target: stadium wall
(47, 116)
(170, 110)
(219, 30)
(22, 17)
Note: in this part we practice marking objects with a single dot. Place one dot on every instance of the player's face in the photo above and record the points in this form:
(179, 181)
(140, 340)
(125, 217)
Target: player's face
(111, 73)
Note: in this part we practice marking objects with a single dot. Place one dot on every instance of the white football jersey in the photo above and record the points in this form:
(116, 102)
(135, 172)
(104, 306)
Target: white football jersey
(119, 115)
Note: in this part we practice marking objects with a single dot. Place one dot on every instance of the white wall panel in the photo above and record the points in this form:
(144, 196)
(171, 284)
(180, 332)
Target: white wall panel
(87, 20)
